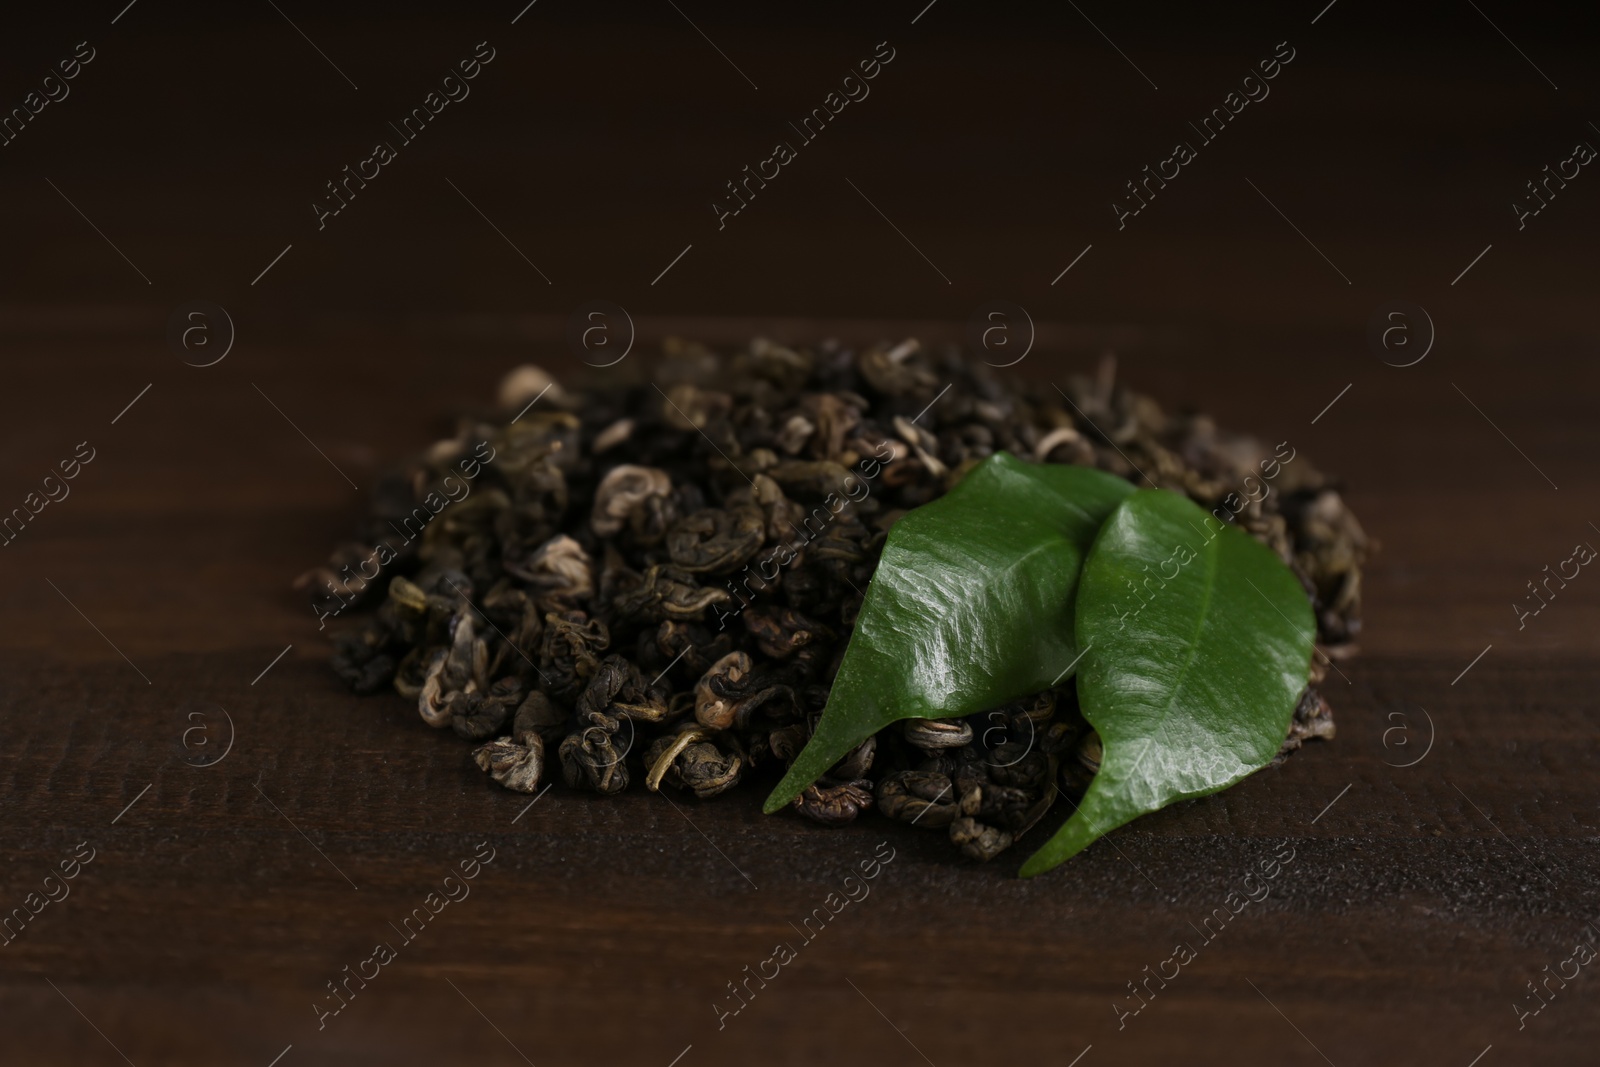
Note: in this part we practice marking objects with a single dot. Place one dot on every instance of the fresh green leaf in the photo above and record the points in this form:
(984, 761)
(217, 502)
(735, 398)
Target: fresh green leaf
(971, 605)
(1197, 646)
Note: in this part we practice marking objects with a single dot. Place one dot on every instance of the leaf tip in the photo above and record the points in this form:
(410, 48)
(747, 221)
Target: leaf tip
(784, 792)
(1034, 865)
(1047, 858)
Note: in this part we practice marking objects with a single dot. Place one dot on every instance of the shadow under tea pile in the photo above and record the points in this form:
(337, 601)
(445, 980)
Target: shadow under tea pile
(655, 582)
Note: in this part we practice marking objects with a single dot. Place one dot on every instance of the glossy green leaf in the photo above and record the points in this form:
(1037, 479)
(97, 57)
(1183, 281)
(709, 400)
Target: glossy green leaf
(1197, 646)
(970, 606)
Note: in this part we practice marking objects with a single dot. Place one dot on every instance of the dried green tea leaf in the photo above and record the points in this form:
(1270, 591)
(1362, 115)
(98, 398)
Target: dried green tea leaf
(1197, 644)
(971, 605)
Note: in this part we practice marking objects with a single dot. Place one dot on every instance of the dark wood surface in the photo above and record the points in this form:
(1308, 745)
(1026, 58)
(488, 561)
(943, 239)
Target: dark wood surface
(1420, 899)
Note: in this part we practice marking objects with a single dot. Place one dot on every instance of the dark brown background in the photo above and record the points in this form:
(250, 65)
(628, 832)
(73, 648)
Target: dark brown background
(1416, 907)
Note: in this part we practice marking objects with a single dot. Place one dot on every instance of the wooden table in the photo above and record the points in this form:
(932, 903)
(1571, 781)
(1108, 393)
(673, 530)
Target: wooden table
(221, 900)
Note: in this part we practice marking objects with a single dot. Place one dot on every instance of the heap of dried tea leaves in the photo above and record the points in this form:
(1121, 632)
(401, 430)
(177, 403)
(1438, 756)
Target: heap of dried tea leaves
(659, 579)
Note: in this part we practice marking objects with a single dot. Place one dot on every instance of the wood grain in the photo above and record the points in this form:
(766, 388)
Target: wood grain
(217, 907)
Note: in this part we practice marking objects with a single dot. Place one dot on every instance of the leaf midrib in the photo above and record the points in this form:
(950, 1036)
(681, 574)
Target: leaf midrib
(1194, 650)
